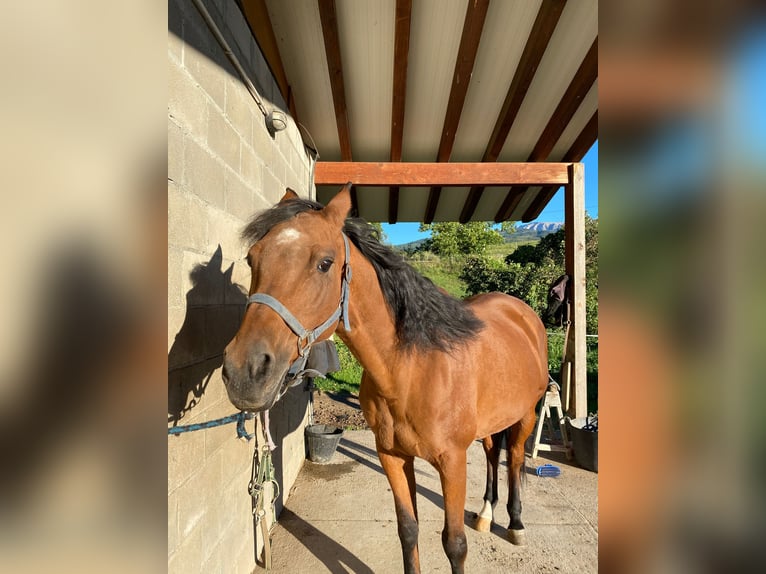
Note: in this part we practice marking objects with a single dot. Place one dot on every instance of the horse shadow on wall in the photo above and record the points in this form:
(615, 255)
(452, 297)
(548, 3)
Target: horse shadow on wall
(214, 309)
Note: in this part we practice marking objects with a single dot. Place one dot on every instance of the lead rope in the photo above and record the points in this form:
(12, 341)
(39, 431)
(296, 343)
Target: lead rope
(262, 474)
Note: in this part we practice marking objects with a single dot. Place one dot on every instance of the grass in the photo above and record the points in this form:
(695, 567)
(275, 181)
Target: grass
(348, 379)
(441, 276)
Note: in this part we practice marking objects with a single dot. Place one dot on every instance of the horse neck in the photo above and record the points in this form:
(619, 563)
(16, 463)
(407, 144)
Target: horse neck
(372, 338)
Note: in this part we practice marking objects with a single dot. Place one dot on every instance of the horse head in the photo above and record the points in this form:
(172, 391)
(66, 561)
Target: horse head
(555, 314)
(298, 293)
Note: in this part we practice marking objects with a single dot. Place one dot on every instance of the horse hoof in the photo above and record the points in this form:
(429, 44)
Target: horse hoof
(517, 537)
(483, 524)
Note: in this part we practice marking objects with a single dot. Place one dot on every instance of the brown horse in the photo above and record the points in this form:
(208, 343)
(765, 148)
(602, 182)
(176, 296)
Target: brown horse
(438, 372)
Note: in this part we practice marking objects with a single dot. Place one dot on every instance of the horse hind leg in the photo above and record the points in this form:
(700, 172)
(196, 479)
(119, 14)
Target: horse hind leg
(491, 446)
(517, 436)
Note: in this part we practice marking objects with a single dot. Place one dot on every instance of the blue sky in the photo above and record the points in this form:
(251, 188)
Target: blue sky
(553, 212)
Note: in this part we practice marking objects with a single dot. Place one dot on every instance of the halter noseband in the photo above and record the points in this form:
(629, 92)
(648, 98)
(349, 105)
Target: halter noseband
(306, 338)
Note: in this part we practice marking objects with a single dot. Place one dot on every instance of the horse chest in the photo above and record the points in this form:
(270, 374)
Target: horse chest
(394, 433)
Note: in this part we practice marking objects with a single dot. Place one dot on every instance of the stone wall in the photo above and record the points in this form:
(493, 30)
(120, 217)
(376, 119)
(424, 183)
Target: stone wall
(223, 165)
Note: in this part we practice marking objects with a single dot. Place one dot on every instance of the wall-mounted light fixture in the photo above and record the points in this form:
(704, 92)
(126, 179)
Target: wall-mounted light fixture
(276, 120)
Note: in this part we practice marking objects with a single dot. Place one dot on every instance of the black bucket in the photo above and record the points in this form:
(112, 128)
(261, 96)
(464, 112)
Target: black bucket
(584, 443)
(322, 441)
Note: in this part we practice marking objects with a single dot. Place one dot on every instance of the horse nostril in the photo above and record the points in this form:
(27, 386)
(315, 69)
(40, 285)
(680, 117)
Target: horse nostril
(261, 365)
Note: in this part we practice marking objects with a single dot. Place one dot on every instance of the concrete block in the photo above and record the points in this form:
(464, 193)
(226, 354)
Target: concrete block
(251, 167)
(175, 294)
(241, 275)
(222, 139)
(188, 556)
(240, 108)
(263, 144)
(237, 458)
(195, 497)
(187, 102)
(240, 31)
(188, 387)
(203, 278)
(238, 196)
(173, 537)
(223, 231)
(204, 175)
(273, 187)
(175, 152)
(209, 71)
(243, 561)
(179, 234)
(188, 345)
(185, 454)
(175, 40)
(221, 324)
(176, 317)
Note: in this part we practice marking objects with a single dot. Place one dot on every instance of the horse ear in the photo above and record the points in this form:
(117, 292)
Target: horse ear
(339, 206)
(289, 195)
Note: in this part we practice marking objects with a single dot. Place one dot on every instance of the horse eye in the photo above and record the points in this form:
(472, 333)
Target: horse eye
(324, 265)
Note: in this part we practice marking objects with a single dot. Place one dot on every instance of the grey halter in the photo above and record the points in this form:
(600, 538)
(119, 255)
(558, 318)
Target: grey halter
(306, 338)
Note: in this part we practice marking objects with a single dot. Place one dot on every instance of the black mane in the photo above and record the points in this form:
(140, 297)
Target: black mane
(425, 317)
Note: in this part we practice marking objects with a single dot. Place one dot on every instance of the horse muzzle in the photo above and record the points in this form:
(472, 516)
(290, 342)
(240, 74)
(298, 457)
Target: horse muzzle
(254, 383)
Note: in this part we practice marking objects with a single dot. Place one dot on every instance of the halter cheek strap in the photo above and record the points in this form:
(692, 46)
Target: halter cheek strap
(306, 338)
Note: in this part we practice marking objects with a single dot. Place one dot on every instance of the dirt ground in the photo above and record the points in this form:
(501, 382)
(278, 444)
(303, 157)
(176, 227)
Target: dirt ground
(338, 409)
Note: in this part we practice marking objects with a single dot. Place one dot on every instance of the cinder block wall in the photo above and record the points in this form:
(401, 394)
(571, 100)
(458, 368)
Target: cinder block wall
(223, 165)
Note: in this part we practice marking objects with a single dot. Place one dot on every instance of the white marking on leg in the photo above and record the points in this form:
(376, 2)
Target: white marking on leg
(484, 518)
(486, 511)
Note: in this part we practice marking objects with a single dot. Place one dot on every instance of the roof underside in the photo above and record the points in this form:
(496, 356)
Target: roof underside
(438, 80)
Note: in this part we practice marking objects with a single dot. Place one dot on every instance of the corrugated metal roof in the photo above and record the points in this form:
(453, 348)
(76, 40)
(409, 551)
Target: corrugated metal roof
(552, 104)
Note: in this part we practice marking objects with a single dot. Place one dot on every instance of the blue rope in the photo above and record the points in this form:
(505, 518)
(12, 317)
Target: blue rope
(239, 418)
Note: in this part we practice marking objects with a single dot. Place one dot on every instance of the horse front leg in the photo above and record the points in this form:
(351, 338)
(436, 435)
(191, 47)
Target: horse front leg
(491, 446)
(452, 472)
(400, 472)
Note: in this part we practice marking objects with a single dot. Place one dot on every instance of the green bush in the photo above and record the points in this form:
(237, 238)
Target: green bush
(348, 378)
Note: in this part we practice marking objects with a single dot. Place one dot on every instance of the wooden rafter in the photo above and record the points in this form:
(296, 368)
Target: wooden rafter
(577, 90)
(576, 152)
(401, 57)
(329, 19)
(473, 24)
(378, 174)
(537, 43)
(257, 16)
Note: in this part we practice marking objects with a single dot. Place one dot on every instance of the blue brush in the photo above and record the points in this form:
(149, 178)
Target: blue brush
(548, 470)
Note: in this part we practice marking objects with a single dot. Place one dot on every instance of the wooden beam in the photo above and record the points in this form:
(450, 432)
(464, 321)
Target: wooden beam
(578, 88)
(377, 174)
(257, 16)
(393, 203)
(329, 19)
(537, 43)
(574, 229)
(401, 58)
(576, 152)
(475, 14)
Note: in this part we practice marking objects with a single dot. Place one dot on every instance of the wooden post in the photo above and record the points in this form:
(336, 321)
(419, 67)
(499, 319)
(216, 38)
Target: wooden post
(574, 204)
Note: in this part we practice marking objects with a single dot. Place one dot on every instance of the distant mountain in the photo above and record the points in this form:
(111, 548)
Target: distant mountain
(524, 232)
(540, 227)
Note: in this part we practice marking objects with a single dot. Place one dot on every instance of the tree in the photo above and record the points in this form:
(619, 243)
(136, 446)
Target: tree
(449, 239)
(528, 272)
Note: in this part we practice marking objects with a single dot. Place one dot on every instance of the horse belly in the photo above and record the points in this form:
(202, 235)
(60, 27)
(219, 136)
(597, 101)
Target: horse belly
(514, 372)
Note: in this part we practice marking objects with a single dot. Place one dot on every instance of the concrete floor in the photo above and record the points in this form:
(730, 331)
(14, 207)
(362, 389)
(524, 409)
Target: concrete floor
(340, 518)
